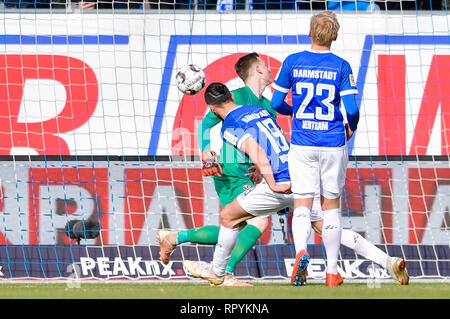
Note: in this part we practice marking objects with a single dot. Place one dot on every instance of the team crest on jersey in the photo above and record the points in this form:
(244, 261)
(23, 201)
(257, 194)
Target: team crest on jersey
(352, 80)
(248, 189)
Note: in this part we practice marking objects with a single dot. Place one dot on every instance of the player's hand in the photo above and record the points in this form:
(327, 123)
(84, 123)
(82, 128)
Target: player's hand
(348, 132)
(210, 166)
(255, 176)
(86, 5)
(281, 188)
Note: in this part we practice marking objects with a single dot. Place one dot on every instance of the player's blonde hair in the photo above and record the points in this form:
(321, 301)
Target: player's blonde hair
(324, 28)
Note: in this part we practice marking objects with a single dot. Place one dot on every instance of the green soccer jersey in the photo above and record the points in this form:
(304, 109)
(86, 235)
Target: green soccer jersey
(234, 163)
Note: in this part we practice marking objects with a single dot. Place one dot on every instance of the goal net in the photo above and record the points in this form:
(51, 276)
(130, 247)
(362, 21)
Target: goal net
(95, 133)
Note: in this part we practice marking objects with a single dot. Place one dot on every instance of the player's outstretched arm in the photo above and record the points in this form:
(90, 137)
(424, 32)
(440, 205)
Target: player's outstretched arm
(260, 159)
(279, 105)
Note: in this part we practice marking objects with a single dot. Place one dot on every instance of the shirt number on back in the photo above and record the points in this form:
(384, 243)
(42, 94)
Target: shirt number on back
(274, 134)
(326, 91)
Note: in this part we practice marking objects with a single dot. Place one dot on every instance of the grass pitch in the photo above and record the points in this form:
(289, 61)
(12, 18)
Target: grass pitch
(204, 291)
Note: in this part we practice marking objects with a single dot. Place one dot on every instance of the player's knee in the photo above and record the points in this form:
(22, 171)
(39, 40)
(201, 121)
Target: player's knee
(317, 226)
(330, 200)
(227, 221)
(261, 223)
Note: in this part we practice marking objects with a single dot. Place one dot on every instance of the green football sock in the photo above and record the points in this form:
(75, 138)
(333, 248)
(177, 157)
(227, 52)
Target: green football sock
(201, 235)
(246, 240)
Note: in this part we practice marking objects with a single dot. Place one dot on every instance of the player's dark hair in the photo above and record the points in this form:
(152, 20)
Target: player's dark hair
(242, 66)
(217, 93)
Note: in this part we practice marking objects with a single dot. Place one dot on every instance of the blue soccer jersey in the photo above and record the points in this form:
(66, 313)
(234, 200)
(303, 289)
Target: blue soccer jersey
(318, 81)
(253, 121)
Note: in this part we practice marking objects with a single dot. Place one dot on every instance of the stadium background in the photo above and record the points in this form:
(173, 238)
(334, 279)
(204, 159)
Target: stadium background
(93, 127)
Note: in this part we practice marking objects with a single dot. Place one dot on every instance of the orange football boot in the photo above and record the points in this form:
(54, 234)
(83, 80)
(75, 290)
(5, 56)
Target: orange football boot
(333, 280)
(298, 277)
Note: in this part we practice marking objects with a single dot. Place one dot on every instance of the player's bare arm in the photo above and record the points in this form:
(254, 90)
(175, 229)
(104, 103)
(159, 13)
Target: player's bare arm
(259, 157)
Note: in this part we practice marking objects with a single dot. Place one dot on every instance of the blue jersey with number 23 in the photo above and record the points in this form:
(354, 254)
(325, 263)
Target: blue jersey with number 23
(318, 81)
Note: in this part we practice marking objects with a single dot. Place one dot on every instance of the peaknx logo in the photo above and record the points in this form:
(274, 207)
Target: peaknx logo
(105, 266)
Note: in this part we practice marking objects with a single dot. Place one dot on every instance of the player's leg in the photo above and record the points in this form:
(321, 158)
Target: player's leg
(317, 225)
(331, 238)
(301, 223)
(333, 168)
(230, 218)
(168, 240)
(303, 169)
(251, 232)
(394, 265)
(247, 238)
(301, 230)
(227, 189)
(257, 202)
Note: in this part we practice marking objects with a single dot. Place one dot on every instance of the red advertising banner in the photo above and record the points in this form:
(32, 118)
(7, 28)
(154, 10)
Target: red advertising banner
(131, 200)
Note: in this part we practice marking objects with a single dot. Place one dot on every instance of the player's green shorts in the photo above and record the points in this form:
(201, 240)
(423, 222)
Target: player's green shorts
(228, 187)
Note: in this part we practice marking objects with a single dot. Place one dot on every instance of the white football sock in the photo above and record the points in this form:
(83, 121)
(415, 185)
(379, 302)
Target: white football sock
(301, 227)
(222, 253)
(331, 237)
(363, 247)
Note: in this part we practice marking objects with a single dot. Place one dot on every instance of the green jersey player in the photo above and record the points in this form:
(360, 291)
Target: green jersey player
(235, 166)
(232, 172)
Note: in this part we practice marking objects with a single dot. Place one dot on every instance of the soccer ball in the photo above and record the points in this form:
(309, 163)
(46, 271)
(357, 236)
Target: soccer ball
(190, 79)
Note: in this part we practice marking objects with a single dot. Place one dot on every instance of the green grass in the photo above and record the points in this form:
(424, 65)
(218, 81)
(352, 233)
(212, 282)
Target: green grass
(203, 291)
